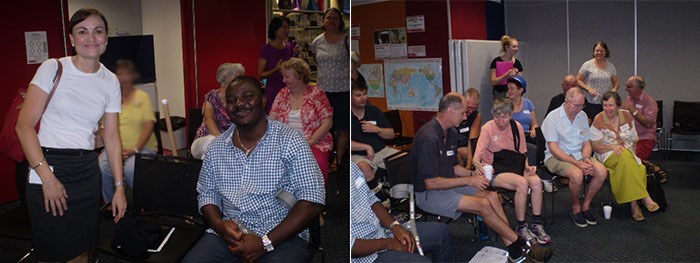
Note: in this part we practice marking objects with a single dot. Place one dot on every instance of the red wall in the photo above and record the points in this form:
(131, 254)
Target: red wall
(20, 17)
(468, 19)
(226, 31)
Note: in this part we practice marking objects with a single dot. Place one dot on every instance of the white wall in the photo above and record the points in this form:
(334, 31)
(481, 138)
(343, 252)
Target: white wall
(123, 16)
(161, 18)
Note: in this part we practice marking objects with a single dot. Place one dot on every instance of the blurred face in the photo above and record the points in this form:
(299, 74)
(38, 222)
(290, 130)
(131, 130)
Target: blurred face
(458, 113)
(574, 105)
(244, 104)
(89, 37)
(331, 21)
(472, 106)
(633, 88)
(282, 32)
(568, 84)
(291, 79)
(359, 98)
(513, 47)
(610, 107)
(599, 52)
(514, 91)
(126, 77)
(502, 121)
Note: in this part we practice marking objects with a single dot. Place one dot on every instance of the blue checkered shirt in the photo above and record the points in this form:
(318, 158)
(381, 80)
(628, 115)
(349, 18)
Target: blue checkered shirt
(364, 224)
(246, 188)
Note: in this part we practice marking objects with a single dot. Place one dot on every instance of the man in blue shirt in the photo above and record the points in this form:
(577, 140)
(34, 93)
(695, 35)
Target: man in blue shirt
(369, 240)
(243, 172)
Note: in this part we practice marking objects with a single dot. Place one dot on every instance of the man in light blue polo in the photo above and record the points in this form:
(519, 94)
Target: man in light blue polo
(569, 153)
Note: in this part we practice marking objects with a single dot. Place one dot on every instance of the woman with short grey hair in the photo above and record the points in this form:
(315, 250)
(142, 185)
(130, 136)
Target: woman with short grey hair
(216, 119)
(497, 147)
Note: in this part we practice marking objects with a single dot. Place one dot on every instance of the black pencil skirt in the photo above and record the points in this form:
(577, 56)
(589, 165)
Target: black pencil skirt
(60, 238)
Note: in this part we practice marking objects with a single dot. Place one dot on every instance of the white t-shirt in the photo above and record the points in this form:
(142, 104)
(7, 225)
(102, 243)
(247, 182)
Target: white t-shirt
(81, 99)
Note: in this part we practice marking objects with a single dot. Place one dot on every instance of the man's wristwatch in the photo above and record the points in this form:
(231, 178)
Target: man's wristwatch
(267, 244)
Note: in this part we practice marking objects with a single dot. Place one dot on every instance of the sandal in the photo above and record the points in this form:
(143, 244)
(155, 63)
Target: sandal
(663, 177)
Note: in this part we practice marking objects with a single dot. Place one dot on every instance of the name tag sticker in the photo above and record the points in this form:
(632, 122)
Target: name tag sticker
(638, 106)
(358, 182)
(526, 111)
(450, 152)
(625, 127)
(463, 130)
(34, 176)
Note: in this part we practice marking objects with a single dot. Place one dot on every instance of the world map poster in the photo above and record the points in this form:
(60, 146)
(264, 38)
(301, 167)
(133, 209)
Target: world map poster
(413, 84)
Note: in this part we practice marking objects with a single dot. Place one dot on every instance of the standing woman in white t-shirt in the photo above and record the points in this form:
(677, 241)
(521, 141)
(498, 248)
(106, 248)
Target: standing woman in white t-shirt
(332, 53)
(64, 171)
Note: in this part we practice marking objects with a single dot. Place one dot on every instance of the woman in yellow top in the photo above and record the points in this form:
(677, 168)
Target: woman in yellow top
(613, 137)
(136, 123)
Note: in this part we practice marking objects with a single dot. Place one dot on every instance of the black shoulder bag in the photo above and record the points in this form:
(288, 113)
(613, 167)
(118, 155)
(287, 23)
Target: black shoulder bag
(507, 161)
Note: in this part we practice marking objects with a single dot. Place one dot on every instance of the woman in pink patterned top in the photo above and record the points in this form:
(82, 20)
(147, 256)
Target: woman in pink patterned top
(305, 108)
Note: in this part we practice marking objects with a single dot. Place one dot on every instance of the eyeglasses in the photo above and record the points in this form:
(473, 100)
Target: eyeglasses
(633, 86)
(502, 116)
(577, 106)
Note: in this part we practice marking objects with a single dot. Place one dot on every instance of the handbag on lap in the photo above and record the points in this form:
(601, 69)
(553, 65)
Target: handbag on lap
(11, 147)
(507, 161)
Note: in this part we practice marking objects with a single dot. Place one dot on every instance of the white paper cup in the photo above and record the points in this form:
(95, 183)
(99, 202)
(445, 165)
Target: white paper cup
(488, 171)
(607, 211)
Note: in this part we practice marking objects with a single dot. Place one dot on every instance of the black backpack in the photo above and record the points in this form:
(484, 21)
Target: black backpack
(655, 191)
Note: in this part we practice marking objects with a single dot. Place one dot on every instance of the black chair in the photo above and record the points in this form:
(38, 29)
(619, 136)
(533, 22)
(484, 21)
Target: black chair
(399, 140)
(686, 121)
(542, 170)
(662, 141)
(194, 120)
(165, 194)
(156, 130)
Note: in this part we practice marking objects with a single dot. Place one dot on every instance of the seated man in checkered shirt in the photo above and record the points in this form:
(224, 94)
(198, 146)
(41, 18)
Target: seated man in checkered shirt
(370, 224)
(242, 175)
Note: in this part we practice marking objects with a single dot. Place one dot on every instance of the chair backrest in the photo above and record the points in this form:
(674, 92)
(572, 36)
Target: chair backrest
(166, 184)
(398, 167)
(194, 120)
(541, 146)
(156, 130)
(660, 114)
(394, 119)
(686, 116)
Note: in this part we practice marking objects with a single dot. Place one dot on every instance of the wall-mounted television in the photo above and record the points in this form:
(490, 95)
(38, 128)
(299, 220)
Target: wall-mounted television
(138, 49)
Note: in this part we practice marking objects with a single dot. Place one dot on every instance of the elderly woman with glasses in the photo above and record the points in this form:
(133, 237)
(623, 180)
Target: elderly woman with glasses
(497, 146)
(614, 137)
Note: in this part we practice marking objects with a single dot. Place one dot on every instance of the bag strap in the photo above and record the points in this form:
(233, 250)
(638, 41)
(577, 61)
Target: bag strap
(56, 80)
(516, 136)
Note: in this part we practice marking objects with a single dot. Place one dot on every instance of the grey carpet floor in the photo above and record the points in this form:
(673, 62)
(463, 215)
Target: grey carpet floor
(669, 236)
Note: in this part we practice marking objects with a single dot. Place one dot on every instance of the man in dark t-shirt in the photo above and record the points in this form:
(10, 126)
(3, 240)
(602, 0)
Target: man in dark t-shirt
(369, 130)
(445, 188)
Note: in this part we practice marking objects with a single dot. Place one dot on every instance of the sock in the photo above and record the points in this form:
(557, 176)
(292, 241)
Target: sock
(515, 250)
(521, 224)
(373, 184)
(537, 219)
